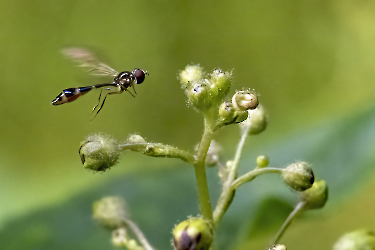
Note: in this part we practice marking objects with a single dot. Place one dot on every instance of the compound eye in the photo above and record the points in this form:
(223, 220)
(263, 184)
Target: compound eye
(139, 75)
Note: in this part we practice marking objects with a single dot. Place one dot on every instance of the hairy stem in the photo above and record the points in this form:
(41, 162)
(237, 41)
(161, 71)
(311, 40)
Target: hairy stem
(200, 171)
(299, 208)
(159, 150)
(253, 174)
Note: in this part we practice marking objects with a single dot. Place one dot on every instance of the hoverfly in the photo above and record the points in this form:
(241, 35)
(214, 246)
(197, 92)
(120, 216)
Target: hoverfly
(122, 81)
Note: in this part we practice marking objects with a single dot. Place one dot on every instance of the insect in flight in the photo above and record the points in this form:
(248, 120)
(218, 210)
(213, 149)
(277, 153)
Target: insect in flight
(122, 81)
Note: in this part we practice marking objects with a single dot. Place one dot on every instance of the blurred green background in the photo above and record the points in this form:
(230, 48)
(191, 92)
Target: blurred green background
(312, 61)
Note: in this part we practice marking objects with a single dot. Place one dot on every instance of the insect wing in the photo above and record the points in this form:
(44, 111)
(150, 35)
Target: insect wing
(85, 59)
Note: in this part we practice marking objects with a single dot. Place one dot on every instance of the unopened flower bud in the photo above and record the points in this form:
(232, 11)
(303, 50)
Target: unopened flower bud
(134, 138)
(199, 97)
(99, 152)
(357, 240)
(277, 247)
(120, 238)
(262, 161)
(244, 100)
(229, 115)
(241, 115)
(298, 176)
(189, 74)
(226, 112)
(316, 196)
(220, 84)
(193, 234)
(256, 122)
(110, 212)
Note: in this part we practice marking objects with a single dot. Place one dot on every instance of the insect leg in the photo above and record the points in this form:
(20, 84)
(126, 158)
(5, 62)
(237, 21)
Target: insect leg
(131, 93)
(100, 95)
(101, 106)
(134, 89)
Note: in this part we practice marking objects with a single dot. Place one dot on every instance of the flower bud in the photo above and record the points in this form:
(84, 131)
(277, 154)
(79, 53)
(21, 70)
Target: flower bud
(357, 240)
(257, 121)
(316, 196)
(199, 97)
(189, 74)
(277, 247)
(135, 138)
(193, 234)
(120, 238)
(226, 113)
(241, 115)
(262, 161)
(229, 115)
(244, 100)
(298, 176)
(110, 212)
(220, 84)
(99, 152)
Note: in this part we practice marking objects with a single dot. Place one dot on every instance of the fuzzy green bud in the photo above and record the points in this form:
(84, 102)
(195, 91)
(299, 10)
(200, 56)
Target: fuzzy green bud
(277, 247)
(262, 161)
(316, 196)
(205, 93)
(220, 84)
(189, 74)
(110, 212)
(199, 97)
(241, 115)
(244, 100)
(193, 234)
(99, 152)
(298, 176)
(229, 115)
(357, 240)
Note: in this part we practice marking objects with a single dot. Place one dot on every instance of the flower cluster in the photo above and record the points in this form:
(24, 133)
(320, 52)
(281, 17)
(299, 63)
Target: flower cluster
(205, 93)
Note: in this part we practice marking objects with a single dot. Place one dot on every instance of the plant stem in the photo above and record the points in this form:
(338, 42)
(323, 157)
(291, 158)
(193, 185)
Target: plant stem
(236, 160)
(227, 195)
(254, 173)
(200, 171)
(203, 192)
(142, 239)
(158, 150)
(288, 221)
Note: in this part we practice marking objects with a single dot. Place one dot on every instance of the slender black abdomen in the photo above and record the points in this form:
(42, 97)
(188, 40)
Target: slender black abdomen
(71, 94)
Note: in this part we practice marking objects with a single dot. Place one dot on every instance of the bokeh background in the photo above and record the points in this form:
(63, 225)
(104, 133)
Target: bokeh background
(312, 61)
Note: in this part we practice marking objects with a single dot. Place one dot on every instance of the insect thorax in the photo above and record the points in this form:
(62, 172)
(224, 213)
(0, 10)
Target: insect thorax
(125, 79)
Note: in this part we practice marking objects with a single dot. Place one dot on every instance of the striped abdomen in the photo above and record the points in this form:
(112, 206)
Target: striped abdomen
(71, 94)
